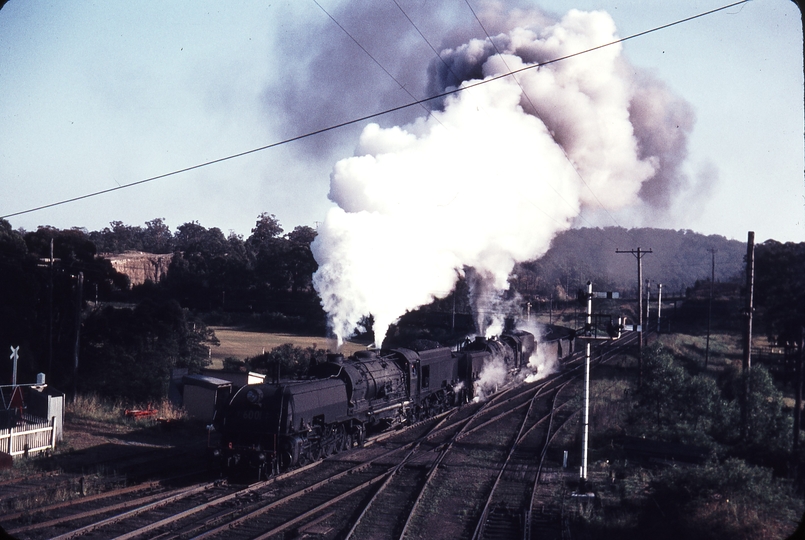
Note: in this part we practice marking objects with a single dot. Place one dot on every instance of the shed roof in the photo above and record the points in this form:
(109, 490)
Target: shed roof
(205, 380)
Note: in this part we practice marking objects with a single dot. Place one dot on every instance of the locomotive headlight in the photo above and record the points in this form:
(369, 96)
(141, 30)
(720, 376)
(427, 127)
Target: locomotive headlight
(261, 456)
(254, 396)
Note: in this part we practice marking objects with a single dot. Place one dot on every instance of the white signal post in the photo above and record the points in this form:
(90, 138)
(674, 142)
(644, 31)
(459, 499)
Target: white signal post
(590, 334)
(659, 308)
(586, 431)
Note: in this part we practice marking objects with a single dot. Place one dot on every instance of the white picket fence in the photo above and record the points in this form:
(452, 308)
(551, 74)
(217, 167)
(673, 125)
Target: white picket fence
(32, 435)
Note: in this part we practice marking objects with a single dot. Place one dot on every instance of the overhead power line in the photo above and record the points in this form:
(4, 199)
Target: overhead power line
(536, 113)
(375, 60)
(417, 102)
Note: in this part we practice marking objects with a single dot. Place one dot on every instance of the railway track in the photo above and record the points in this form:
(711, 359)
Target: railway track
(73, 483)
(461, 474)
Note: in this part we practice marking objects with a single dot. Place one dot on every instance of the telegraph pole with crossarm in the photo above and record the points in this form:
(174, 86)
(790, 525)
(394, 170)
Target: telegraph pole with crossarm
(639, 253)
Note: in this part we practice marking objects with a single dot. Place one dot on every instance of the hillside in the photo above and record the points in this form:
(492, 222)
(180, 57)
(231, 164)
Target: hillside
(677, 259)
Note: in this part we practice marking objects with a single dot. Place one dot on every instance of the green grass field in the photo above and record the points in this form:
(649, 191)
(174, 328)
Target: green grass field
(242, 344)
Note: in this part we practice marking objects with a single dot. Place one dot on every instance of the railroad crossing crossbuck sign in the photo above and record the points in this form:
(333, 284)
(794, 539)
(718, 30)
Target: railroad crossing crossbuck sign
(14, 357)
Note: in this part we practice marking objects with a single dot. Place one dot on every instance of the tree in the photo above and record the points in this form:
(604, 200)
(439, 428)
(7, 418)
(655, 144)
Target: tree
(266, 228)
(299, 262)
(57, 303)
(267, 252)
(21, 291)
(129, 353)
(197, 274)
(780, 289)
(119, 238)
(157, 237)
(681, 407)
(769, 435)
(288, 360)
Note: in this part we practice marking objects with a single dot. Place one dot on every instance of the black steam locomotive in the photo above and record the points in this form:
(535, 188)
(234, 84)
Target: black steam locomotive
(270, 427)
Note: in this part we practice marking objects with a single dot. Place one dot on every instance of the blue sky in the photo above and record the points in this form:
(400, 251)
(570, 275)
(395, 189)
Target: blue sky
(100, 95)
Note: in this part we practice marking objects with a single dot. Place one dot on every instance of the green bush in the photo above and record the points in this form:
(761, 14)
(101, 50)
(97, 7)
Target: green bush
(675, 406)
(288, 360)
(721, 500)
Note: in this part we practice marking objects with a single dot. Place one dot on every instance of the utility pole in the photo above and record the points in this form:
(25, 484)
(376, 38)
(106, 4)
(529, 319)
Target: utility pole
(638, 253)
(453, 317)
(798, 395)
(79, 300)
(747, 341)
(710, 305)
(50, 313)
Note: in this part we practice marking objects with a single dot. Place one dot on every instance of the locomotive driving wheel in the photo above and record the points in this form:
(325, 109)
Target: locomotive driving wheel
(349, 440)
(340, 438)
(358, 435)
(329, 444)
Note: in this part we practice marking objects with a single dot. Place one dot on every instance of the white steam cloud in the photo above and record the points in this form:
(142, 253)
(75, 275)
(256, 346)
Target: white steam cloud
(488, 180)
(493, 376)
(542, 363)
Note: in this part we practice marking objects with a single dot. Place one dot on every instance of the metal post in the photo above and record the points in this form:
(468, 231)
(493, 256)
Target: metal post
(639, 320)
(639, 254)
(798, 391)
(648, 306)
(747, 359)
(710, 305)
(77, 345)
(453, 318)
(50, 312)
(586, 432)
(659, 307)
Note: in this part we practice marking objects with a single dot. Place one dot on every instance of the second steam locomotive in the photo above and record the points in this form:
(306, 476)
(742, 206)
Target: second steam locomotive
(275, 426)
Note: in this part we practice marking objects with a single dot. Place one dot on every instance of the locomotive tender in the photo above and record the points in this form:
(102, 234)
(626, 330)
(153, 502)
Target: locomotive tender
(276, 426)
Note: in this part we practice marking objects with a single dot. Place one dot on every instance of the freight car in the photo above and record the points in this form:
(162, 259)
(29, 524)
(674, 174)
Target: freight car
(270, 427)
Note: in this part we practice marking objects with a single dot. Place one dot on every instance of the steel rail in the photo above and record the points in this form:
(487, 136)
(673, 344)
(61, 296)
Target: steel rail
(361, 466)
(388, 479)
(485, 511)
(435, 465)
(178, 494)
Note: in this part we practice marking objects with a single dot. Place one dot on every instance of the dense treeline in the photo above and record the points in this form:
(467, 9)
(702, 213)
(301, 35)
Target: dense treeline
(265, 279)
(268, 271)
(780, 290)
(79, 321)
